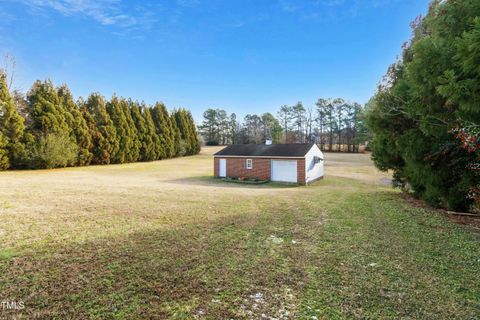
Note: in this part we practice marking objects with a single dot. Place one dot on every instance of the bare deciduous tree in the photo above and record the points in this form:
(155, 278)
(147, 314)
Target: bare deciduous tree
(9, 68)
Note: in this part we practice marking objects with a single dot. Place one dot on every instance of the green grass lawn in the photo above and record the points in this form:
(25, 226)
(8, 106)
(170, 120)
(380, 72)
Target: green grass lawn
(165, 240)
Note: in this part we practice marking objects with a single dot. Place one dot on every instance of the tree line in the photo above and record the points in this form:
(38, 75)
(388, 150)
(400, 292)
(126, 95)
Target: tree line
(219, 128)
(334, 124)
(47, 128)
(425, 115)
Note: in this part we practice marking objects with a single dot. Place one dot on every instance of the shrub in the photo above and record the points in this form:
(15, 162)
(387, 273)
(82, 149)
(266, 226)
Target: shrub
(182, 148)
(51, 151)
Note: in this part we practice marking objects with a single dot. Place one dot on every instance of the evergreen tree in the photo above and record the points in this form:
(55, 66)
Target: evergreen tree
(151, 132)
(339, 120)
(234, 129)
(211, 126)
(179, 143)
(285, 115)
(146, 151)
(329, 111)
(298, 114)
(49, 126)
(165, 130)
(427, 95)
(272, 130)
(101, 128)
(155, 152)
(46, 110)
(115, 111)
(12, 126)
(4, 161)
(134, 143)
(79, 129)
(183, 131)
(322, 120)
(49, 129)
(194, 143)
(187, 131)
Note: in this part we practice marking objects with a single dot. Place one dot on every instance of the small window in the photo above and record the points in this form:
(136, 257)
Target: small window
(249, 164)
(317, 159)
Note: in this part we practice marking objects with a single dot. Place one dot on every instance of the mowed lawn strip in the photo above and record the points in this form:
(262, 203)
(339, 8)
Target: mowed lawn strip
(174, 243)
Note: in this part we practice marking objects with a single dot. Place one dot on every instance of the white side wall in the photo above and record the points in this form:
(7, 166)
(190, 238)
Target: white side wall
(313, 170)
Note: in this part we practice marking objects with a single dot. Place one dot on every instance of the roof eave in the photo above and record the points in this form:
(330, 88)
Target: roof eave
(267, 157)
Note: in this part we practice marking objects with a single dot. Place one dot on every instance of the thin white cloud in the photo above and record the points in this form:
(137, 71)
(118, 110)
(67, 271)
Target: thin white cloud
(287, 6)
(106, 12)
(328, 9)
(188, 3)
(330, 3)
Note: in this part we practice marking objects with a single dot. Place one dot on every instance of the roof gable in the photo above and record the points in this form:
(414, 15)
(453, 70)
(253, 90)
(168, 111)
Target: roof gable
(263, 150)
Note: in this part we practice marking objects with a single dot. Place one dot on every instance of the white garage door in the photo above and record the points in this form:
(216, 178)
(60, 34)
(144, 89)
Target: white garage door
(284, 170)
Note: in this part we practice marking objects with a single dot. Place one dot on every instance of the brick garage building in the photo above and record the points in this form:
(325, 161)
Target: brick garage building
(294, 163)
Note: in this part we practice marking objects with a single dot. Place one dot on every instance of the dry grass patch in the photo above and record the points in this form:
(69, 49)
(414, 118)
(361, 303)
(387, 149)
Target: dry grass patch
(165, 240)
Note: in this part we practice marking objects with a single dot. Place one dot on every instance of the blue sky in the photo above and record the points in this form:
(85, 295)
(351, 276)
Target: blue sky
(245, 56)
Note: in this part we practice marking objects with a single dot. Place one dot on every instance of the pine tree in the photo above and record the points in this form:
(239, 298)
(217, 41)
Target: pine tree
(101, 128)
(11, 125)
(79, 129)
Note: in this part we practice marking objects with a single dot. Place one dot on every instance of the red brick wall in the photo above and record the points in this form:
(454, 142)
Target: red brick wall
(237, 168)
(215, 167)
(301, 171)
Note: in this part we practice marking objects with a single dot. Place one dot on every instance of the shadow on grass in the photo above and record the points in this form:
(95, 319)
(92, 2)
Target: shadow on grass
(213, 181)
(156, 274)
(212, 268)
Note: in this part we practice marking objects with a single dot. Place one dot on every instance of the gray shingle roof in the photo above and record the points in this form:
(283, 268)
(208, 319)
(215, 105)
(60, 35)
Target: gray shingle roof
(262, 150)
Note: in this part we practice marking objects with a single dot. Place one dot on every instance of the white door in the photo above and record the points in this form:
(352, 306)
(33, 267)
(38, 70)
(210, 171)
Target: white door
(284, 170)
(222, 168)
